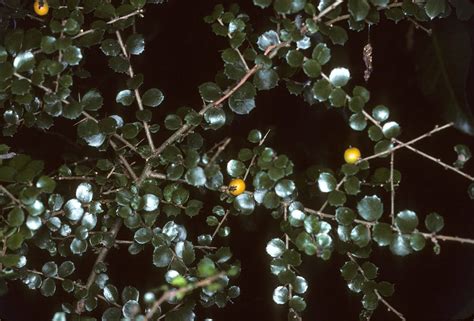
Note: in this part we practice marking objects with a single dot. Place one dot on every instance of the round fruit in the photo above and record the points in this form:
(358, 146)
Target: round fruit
(236, 186)
(41, 7)
(352, 155)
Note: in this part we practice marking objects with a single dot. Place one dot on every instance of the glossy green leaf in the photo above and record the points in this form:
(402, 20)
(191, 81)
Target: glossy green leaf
(66, 269)
(358, 9)
(382, 234)
(406, 221)
(266, 79)
(16, 217)
(349, 270)
(125, 97)
(360, 235)
(210, 91)
(275, 248)
(153, 97)
(339, 77)
(24, 61)
(244, 203)
(400, 245)
(391, 130)
(135, 44)
(434, 8)
(242, 101)
(434, 222)
(280, 295)
(48, 288)
(326, 182)
(370, 208)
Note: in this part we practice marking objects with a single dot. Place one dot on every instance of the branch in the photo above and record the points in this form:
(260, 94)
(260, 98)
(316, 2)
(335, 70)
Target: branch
(430, 236)
(124, 162)
(392, 189)
(419, 152)
(87, 115)
(136, 91)
(347, 16)
(7, 156)
(287, 246)
(327, 10)
(420, 26)
(236, 49)
(338, 186)
(407, 145)
(411, 142)
(389, 307)
(271, 51)
(120, 138)
(10, 195)
(433, 237)
(254, 157)
(220, 148)
(220, 224)
(134, 13)
(74, 178)
(100, 259)
(170, 294)
(439, 162)
(165, 178)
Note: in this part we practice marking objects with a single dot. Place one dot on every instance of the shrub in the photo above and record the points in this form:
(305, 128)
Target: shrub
(120, 182)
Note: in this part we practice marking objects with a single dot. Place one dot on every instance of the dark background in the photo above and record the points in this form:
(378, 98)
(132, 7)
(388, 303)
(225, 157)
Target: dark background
(181, 53)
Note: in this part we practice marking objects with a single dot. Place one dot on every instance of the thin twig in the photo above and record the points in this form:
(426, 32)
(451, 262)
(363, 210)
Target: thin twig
(165, 178)
(406, 145)
(10, 195)
(254, 157)
(220, 148)
(138, 97)
(100, 259)
(347, 16)
(7, 156)
(420, 26)
(220, 224)
(176, 307)
(392, 188)
(120, 138)
(448, 238)
(87, 115)
(419, 152)
(134, 13)
(236, 49)
(60, 58)
(327, 10)
(287, 246)
(411, 142)
(439, 162)
(271, 51)
(338, 186)
(4, 251)
(430, 236)
(74, 178)
(170, 294)
(125, 162)
(379, 296)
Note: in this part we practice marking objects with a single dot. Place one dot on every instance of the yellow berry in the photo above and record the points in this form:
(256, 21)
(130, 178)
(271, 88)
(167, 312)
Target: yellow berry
(352, 155)
(236, 186)
(42, 8)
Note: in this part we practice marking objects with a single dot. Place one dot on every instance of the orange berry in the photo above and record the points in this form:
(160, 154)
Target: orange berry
(352, 155)
(42, 8)
(236, 186)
